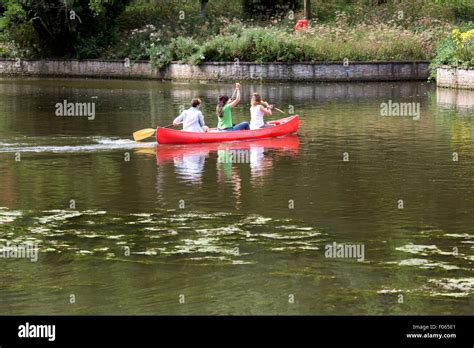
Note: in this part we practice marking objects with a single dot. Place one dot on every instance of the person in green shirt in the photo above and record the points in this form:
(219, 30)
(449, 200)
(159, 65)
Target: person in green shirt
(224, 112)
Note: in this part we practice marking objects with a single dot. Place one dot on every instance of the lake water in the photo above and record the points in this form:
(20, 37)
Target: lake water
(239, 228)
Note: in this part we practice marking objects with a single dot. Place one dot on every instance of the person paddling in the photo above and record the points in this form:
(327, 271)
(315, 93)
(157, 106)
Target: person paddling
(224, 112)
(258, 111)
(192, 118)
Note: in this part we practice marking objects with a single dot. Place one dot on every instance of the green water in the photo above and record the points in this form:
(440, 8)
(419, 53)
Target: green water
(129, 228)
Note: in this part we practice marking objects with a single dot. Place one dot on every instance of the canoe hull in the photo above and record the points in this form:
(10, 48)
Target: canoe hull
(281, 127)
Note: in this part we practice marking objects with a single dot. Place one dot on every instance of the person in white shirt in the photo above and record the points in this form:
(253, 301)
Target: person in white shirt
(258, 111)
(192, 118)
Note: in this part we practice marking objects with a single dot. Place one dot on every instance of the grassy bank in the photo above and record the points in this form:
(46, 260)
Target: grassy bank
(358, 30)
(336, 41)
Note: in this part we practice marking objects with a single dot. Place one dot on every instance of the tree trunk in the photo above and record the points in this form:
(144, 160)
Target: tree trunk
(202, 13)
(307, 9)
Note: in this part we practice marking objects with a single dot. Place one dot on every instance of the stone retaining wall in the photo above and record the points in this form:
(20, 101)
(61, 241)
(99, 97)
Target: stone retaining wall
(311, 72)
(455, 78)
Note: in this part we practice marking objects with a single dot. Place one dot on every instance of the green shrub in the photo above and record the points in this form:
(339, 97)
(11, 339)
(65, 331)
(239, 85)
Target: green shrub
(7, 48)
(20, 41)
(456, 50)
(136, 45)
(160, 56)
(462, 10)
(183, 49)
(221, 48)
(53, 28)
(95, 46)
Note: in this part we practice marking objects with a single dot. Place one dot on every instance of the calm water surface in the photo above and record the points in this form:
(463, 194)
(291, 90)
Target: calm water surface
(239, 235)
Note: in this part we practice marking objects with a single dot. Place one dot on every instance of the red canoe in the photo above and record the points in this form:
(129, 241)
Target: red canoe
(281, 127)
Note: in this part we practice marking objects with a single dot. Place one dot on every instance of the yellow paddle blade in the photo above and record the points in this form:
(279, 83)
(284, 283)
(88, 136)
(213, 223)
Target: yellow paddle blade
(143, 133)
(145, 150)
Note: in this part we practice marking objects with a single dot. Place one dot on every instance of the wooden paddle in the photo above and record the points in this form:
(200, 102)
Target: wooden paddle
(147, 132)
(264, 102)
(233, 93)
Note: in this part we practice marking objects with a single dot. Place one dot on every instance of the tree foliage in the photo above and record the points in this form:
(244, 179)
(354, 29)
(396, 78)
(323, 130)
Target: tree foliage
(61, 28)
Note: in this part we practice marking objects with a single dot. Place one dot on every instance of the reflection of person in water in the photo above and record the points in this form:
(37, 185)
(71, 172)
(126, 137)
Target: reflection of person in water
(233, 159)
(190, 167)
(259, 164)
(226, 172)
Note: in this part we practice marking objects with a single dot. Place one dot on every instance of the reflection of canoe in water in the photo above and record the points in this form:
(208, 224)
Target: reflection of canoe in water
(281, 127)
(170, 152)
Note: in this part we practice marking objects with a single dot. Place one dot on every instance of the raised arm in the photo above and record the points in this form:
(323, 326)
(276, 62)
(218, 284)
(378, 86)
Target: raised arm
(237, 98)
(266, 112)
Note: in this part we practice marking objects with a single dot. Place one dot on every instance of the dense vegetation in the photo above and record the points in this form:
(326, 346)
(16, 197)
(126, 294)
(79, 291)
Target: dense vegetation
(194, 31)
(456, 50)
(58, 28)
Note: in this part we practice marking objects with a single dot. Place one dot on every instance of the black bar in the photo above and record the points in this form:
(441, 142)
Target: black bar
(262, 330)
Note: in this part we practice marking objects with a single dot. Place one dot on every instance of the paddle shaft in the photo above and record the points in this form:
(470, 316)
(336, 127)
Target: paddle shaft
(264, 102)
(147, 132)
(233, 93)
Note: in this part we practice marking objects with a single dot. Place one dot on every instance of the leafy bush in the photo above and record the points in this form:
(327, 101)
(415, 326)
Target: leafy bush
(56, 28)
(406, 13)
(160, 56)
(19, 41)
(456, 50)
(7, 48)
(461, 9)
(183, 49)
(136, 45)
